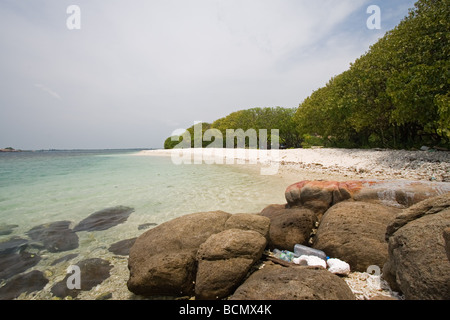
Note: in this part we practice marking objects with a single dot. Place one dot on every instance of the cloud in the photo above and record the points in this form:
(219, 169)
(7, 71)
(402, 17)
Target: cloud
(149, 67)
(48, 90)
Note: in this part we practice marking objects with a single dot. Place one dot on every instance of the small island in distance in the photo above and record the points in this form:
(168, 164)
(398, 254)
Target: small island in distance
(9, 149)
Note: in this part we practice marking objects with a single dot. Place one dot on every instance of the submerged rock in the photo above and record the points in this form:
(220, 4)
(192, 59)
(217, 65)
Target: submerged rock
(104, 219)
(64, 259)
(146, 225)
(122, 247)
(92, 272)
(13, 245)
(55, 236)
(6, 229)
(14, 263)
(29, 282)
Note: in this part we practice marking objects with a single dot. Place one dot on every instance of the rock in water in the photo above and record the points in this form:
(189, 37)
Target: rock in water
(417, 264)
(14, 263)
(12, 245)
(122, 247)
(6, 229)
(92, 272)
(29, 282)
(56, 236)
(104, 219)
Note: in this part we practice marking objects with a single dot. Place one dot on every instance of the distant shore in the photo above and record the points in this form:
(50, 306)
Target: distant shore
(325, 163)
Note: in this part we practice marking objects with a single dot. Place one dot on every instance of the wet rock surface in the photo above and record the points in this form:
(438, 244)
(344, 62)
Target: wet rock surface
(104, 219)
(55, 236)
(6, 229)
(29, 282)
(122, 247)
(15, 263)
(93, 271)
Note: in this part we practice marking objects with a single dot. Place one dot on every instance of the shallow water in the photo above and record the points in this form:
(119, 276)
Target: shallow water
(43, 187)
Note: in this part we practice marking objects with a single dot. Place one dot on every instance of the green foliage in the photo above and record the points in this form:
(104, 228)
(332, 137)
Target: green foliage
(395, 95)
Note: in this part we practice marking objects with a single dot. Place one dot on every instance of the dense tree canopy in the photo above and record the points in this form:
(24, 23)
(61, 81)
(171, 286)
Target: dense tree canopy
(396, 95)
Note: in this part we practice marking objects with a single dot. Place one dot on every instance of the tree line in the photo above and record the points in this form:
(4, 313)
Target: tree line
(396, 95)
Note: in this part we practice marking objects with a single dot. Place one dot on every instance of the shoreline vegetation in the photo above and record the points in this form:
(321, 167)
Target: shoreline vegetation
(395, 96)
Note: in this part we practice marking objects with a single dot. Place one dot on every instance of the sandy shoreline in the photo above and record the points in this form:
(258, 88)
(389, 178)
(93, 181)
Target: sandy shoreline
(341, 164)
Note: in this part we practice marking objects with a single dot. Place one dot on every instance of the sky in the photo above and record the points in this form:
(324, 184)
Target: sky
(127, 74)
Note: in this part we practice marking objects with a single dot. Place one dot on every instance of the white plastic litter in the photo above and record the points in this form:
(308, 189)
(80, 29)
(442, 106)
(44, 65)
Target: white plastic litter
(310, 261)
(337, 266)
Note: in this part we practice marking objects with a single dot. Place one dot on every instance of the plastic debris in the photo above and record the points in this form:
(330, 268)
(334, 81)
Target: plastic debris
(284, 255)
(300, 250)
(310, 261)
(337, 266)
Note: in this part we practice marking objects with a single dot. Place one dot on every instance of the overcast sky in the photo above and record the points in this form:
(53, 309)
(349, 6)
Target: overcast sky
(139, 69)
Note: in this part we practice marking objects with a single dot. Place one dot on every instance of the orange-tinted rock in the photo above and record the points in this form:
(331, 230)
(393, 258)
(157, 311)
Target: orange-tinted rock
(321, 195)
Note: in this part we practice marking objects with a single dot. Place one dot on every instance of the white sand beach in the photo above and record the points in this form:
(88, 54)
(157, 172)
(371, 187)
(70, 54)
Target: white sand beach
(328, 164)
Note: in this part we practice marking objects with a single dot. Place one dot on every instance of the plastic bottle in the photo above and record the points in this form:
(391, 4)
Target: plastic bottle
(300, 250)
(284, 255)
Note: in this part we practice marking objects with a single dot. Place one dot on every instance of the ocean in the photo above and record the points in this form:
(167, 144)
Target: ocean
(43, 187)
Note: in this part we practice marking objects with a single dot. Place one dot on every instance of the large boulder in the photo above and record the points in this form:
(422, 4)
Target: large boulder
(162, 261)
(274, 282)
(289, 226)
(206, 254)
(224, 260)
(321, 195)
(354, 232)
(447, 242)
(417, 263)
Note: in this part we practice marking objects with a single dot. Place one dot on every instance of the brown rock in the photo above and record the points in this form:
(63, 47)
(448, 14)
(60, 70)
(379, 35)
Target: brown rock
(320, 195)
(417, 263)
(447, 242)
(224, 260)
(93, 271)
(245, 221)
(28, 282)
(162, 261)
(294, 283)
(289, 227)
(354, 232)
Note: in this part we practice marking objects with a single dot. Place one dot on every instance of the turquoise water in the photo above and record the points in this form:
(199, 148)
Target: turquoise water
(43, 187)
